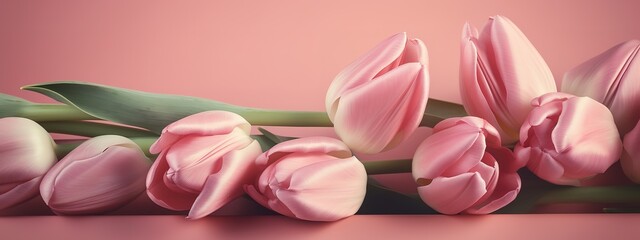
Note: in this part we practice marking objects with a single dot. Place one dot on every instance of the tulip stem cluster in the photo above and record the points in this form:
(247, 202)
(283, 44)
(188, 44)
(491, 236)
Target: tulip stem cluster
(388, 166)
(436, 111)
(610, 194)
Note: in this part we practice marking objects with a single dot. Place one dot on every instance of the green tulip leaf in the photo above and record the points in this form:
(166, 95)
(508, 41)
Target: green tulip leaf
(11, 106)
(135, 108)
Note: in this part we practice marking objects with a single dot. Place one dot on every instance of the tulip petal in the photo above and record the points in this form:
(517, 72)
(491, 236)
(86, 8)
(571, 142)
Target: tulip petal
(477, 95)
(160, 194)
(324, 145)
(506, 159)
(523, 71)
(548, 168)
(204, 123)
(27, 150)
(455, 194)
(20, 193)
(193, 158)
(271, 203)
(468, 32)
(589, 144)
(220, 189)
(364, 69)
(373, 115)
(449, 152)
(326, 190)
(415, 51)
(630, 160)
(500, 72)
(609, 78)
(507, 189)
(88, 186)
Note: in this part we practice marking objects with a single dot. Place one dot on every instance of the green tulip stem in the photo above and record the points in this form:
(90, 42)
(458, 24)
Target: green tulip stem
(387, 166)
(263, 117)
(436, 111)
(62, 149)
(52, 112)
(93, 129)
(611, 194)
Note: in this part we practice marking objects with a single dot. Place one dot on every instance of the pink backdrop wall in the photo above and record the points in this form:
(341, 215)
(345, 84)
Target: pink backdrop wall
(276, 54)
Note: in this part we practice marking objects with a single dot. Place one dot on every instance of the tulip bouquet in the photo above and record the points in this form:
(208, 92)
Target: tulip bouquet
(514, 131)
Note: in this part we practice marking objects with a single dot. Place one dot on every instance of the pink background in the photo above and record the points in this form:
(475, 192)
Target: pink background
(275, 54)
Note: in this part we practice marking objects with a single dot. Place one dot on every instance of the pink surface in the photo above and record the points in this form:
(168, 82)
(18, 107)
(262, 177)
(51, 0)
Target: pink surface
(283, 55)
(569, 226)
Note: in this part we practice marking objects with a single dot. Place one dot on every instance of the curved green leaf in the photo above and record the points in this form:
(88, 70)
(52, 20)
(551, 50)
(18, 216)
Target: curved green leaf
(155, 111)
(136, 108)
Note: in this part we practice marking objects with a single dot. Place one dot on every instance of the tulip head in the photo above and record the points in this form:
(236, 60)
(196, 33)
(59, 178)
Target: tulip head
(204, 161)
(314, 178)
(102, 174)
(500, 73)
(630, 159)
(379, 100)
(612, 78)
(26, 153)
(566, 139)
(462, 167)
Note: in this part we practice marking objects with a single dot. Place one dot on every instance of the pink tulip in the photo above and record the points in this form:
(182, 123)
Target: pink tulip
(567, 139)
(314, 178)
(500, 73)
(102, 174)
(462, 167)
(204, 161)
(612, 78)
(379, 100)
(630, 160)
(26, 153)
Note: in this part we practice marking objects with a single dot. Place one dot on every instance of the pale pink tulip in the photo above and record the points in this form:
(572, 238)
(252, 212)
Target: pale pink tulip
(630, 160)
(612, 78)
(566, 139)
(379, 100)
(26, 153)
(102, 174)
(500, 73)
(314, 178)
(204, 161)
(462, 168)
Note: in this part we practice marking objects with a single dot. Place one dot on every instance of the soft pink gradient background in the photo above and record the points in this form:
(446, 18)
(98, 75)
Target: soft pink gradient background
(277, 54)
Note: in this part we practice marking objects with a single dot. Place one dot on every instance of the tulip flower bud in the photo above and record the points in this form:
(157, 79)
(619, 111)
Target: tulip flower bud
(26, 153)
(314, 178)
(462, 168)
(102, 174)
(612, 78)
(204, 161)
(500, 73)
(379, 100)
(630, 160)
(566, 139)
